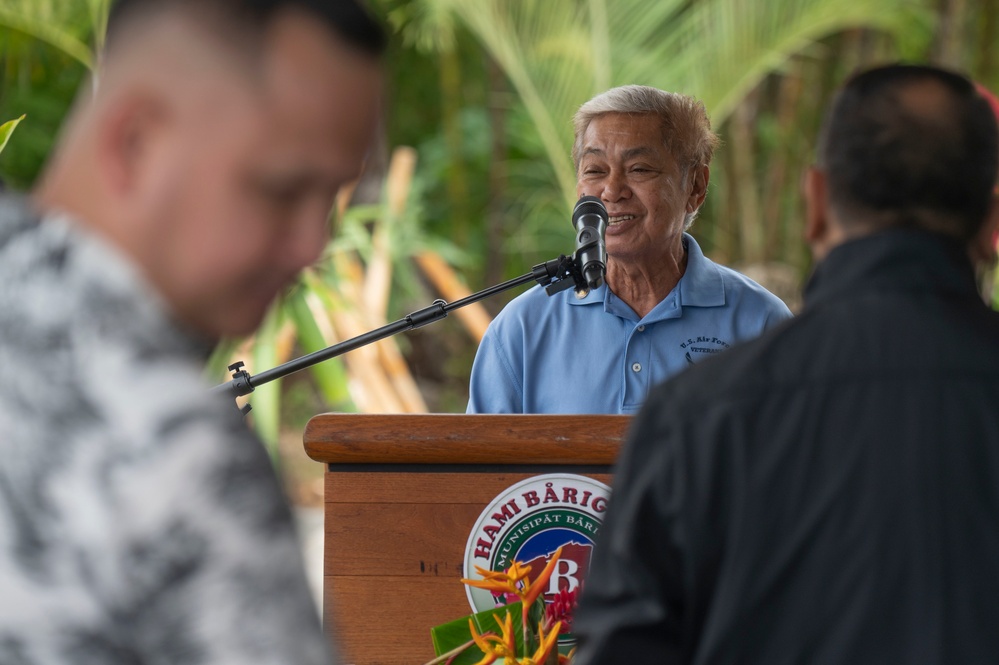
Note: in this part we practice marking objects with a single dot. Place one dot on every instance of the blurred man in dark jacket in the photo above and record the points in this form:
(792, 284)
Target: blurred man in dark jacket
(829, 493)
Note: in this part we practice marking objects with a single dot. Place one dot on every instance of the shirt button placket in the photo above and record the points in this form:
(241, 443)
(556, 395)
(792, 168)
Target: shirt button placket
(637, 355)
(637, 367)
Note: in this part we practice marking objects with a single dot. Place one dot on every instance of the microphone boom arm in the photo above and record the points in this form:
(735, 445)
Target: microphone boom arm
(555, 275)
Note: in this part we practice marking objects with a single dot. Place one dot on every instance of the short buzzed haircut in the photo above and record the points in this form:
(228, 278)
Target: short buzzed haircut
(910, 146)
(347, 19)
(685, 125)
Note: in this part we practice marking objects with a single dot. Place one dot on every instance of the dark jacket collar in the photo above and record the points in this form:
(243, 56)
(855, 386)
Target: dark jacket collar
(896, 260)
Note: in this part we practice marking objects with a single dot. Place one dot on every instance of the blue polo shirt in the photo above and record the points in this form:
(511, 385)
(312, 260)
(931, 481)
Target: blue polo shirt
(563, 354)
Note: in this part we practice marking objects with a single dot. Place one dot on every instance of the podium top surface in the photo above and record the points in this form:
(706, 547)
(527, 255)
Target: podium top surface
(465, 439)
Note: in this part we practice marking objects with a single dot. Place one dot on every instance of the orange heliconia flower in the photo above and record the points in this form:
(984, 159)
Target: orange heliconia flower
(514, 580)
(544, 648)
(504, 645)
(493, 646)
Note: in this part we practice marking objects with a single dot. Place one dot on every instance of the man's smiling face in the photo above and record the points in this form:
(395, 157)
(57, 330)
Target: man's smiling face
(624, 162)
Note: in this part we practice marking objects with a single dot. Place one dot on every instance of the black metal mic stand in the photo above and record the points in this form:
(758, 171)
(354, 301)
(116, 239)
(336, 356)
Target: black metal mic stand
(555, 275)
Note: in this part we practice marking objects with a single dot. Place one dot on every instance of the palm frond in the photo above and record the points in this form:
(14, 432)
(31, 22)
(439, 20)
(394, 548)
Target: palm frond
(558, 53)
(66, 26)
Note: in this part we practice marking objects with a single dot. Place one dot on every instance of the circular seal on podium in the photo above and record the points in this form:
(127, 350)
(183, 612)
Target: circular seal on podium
(528, 522)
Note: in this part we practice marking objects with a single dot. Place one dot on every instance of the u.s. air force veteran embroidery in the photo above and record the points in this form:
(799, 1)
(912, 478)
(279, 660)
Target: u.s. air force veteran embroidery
(699, 348)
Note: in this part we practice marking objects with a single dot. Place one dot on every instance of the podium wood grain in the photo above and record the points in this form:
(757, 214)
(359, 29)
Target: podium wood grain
(402, 495)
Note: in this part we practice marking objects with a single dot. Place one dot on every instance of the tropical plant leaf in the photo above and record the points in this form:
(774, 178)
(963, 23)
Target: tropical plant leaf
(66, 26)
(6, 129)
(215, 370)
(455, 633)
(307, 307)
(266, 399)
(559, 53)
(99, 10)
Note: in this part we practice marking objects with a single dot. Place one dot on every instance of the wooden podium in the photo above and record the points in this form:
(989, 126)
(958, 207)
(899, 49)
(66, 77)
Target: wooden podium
(402, 495)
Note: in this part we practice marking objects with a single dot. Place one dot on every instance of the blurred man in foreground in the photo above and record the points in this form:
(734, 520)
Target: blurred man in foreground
(829, 493)
(140, 522)
(645, 153)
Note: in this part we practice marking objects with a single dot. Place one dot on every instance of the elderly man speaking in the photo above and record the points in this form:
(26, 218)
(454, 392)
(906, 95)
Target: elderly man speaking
(645, 154)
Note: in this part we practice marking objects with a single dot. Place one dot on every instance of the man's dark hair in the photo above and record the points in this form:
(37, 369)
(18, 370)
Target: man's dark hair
(911, 146)
(346, 18)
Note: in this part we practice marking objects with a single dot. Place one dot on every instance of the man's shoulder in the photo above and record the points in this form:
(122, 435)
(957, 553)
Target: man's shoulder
(713, 284)
(23, 241)
(740, 286)
(84, 342)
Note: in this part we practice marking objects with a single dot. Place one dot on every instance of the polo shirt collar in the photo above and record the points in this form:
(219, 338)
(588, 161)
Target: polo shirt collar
(700, 286)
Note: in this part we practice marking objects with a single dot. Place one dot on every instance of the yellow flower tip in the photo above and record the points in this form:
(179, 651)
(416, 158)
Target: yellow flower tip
(567, 659)
(507, 581)
(490, 645)
(508, 636)
(518, 571)
(478, 639)
(489, 656)
(488, 659)
(492, 585)
(486, 584)
(535, 588)
(546, 642)
(494, 576)
(489, 574)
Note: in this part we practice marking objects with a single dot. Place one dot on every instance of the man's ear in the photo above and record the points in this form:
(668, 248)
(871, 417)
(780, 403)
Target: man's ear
(699, 187)
(822, 232)
(816, 200)
(983, 246)
(126, 136)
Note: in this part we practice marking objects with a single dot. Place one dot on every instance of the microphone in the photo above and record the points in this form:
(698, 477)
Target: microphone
(589, 218)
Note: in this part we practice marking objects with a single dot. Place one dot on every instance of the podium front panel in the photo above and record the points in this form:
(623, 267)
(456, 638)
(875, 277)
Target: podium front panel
(395, 532)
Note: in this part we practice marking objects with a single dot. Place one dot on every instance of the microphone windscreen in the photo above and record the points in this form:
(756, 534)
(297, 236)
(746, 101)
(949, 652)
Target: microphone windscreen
(588, 205)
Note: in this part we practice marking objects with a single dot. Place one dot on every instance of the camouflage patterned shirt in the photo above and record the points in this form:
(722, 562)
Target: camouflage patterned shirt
(140, 522)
